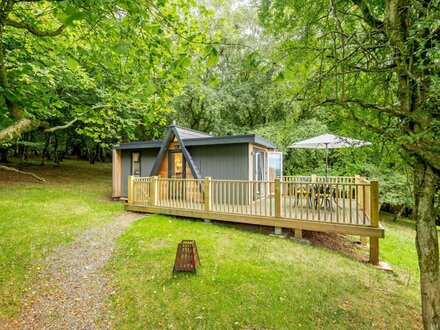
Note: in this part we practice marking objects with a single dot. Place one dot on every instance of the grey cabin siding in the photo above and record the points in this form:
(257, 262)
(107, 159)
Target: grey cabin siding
(225, 161)
(148, 157)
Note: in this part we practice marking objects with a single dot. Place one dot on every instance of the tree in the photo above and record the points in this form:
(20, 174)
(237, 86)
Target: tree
(236, 92)
(379, 62)
(106, 67)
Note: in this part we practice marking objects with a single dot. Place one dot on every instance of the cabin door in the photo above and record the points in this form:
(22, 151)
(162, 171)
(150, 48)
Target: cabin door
(275, 165)
(176, 165)
(260, 171)
(176, 170)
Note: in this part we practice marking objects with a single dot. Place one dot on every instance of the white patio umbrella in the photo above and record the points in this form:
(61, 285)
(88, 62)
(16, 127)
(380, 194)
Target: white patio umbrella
(329, 141)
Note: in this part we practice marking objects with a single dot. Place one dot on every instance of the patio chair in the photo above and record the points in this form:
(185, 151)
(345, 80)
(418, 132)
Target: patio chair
(323, 194)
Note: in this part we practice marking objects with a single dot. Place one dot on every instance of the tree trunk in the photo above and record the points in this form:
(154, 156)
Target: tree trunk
(45, 150)
(399, 214)
(426, 184)
(4, 155)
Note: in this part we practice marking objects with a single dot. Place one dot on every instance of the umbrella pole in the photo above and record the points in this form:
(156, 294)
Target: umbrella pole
(326, 161)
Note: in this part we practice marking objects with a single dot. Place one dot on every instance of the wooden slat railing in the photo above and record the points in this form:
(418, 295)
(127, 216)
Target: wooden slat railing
(306, 200)
(329, 202)
(180, 193)
(243, 197)
(319, 179)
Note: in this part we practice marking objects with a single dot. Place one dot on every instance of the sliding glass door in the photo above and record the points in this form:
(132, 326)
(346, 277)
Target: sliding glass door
(275, 165)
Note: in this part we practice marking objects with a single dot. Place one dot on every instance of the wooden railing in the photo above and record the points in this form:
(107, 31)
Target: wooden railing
(180, 193)
(319, 179)
(340, 204)
(345, 203)
(140, 188)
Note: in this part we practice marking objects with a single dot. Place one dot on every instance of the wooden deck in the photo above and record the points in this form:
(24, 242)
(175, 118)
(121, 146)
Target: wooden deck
(349, 207)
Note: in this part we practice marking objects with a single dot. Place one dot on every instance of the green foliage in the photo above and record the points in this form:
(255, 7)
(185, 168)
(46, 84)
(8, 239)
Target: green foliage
(115, 67)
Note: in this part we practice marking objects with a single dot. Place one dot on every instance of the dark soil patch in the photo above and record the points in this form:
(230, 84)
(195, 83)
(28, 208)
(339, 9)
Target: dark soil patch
(344, 244)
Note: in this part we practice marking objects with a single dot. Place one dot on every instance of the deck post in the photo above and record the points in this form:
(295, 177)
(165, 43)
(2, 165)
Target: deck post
(153, 191)
(298, 233)
(313, 178)
(278, 198)
(116, 173)
(207, 193)
(130, 189)
(374, 218)
(359, 201)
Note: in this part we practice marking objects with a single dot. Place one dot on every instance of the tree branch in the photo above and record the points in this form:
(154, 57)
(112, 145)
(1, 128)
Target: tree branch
(2, 167)
(367, 105)
(55, 128)
(16, 129)
(33, 30)
(419, 148)
(367, 15)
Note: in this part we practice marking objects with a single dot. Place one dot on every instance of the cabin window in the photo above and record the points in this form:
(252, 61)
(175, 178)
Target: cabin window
(275, 164)
(136, 163)
(259, 164)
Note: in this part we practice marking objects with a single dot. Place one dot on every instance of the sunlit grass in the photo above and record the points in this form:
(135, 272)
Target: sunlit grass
(250, 280)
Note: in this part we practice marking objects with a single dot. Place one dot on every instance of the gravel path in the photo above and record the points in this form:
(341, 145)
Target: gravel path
(73, 292)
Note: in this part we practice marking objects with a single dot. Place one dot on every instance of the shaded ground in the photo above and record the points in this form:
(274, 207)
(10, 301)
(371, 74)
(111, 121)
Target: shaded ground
(72, 291)
(344, 244)
(68, 171)
(39, 219)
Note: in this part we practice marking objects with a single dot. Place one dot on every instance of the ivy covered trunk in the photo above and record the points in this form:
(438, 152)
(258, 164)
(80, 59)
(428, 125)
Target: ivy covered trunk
(426, 184)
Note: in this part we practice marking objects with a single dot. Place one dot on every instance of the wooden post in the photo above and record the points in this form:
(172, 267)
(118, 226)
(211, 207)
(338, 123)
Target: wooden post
(313, 178)
(207, 193)
(298, 233)
(278, 198)
(360, 200)
(374, 218)
(130, 189)
(116, 173)
(154, 190)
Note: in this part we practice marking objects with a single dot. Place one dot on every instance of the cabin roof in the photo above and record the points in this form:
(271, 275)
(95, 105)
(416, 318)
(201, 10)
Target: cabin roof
(174, 133)
(200, 140)
(188, 133)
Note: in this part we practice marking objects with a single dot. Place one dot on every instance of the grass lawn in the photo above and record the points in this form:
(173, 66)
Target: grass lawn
(249, 280)
(36, 218)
